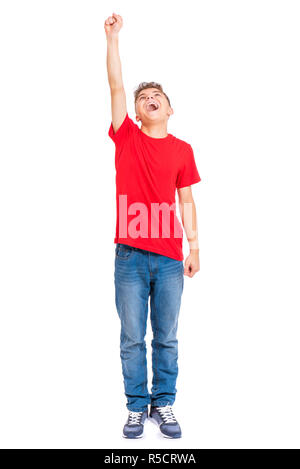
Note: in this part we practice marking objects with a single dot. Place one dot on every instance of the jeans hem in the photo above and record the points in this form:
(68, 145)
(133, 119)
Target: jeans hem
(162, 403)
(137, 409)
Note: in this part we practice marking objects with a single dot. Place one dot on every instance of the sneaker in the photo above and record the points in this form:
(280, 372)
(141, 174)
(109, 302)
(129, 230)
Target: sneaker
(134, 427)
(165, 419)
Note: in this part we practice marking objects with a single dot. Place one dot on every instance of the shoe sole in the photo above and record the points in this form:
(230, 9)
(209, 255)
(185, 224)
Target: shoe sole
(132, 437)
(165, 436)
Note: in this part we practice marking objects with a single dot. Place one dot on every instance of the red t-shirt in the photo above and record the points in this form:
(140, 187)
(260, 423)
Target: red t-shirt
(148, 171)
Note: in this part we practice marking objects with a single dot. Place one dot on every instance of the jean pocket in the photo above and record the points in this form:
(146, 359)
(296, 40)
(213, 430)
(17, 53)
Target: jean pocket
(123, 251)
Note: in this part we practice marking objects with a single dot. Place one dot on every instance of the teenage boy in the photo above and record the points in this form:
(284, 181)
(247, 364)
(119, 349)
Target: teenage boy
(150, 165)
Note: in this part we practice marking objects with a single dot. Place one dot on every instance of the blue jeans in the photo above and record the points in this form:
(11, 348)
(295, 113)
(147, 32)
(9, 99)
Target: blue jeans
(138, 275)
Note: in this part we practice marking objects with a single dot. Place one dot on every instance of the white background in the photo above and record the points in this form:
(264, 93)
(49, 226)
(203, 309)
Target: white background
(231, 70)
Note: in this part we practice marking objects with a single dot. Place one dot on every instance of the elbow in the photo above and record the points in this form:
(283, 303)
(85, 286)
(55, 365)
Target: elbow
(185, 200)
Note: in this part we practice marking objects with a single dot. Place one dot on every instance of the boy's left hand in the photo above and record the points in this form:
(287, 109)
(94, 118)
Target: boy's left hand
(192, 263)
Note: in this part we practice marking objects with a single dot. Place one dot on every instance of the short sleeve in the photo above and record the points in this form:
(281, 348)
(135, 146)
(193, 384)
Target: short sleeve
(123, 131)
(188, 172)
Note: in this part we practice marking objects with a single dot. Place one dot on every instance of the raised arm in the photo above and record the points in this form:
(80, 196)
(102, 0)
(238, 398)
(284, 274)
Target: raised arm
(112, 26)
(188, 215)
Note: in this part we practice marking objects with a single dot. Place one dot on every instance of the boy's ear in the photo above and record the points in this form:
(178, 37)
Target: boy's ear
(170, 111)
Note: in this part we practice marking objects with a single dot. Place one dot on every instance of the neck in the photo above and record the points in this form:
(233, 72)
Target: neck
(158, 130)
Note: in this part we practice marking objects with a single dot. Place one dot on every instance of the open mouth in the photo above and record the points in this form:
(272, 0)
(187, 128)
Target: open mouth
(152, 106)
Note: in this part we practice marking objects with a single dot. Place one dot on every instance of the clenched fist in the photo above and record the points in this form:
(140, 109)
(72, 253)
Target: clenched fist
(192, 263)
(113, 24)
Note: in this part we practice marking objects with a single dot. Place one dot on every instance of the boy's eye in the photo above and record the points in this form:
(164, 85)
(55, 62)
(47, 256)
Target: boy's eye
(143, 97)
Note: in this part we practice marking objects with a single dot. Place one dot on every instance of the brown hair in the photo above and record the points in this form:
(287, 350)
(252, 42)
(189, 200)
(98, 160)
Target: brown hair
(151, 84)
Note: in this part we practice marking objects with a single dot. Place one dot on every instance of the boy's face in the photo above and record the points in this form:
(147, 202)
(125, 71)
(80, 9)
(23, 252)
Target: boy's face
(152, 106)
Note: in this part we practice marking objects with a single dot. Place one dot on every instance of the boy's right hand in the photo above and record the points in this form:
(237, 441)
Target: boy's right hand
(113, 24)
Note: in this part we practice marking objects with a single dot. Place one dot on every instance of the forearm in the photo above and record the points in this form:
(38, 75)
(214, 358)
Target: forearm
(189, 220)
(114, 68)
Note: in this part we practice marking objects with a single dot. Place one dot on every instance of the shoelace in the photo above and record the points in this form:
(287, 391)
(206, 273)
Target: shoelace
(166, 414)
(134, 418)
